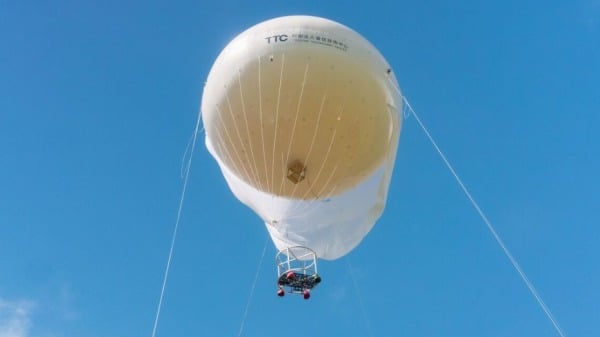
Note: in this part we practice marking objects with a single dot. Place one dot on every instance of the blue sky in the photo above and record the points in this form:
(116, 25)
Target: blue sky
(99, 99)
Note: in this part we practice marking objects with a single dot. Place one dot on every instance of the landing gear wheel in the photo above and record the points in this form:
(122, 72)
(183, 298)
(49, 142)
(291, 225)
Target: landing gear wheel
(306, 294)
(280, 292)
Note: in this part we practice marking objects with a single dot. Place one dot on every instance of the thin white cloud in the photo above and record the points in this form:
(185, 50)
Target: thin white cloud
(591, 13)
(63, 305)
(15, 318)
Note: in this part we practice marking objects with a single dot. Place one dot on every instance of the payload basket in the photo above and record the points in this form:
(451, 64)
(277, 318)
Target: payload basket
(296, 271)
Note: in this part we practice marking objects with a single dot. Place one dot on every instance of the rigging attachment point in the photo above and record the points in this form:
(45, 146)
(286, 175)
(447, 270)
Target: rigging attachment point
(296, 171)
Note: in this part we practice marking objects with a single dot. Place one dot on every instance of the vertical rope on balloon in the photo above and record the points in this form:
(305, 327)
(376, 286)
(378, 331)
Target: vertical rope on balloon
(252, 156)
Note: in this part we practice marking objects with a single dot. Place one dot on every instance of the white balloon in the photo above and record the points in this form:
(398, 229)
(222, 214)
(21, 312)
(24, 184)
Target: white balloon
(302, 115)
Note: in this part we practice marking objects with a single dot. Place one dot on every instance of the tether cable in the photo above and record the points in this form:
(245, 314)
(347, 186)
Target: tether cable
(260, 262)
(176, 226)
(489, 225)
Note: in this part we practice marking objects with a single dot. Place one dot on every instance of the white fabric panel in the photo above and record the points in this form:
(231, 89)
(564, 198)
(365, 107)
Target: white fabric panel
(331, 227)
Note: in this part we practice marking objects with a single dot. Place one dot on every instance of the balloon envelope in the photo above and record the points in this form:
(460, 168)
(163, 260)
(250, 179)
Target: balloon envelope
(301, 114)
